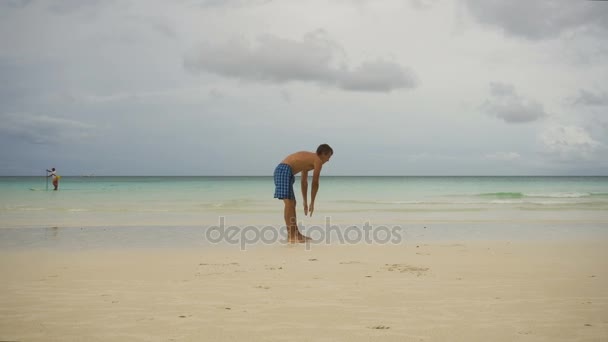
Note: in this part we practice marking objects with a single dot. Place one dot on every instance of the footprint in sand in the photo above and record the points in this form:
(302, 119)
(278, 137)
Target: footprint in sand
(380, 327)
(217, 268)
(262, 287)
(272, 268)
(403, 268)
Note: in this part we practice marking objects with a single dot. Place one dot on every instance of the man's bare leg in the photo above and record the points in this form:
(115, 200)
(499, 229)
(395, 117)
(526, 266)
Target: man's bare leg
(293, 234)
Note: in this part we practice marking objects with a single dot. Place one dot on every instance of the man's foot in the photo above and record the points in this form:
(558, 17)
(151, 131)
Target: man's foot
(298, 238)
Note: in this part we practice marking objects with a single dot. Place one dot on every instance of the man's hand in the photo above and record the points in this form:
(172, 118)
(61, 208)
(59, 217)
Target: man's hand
(311, 208)
(305, 209)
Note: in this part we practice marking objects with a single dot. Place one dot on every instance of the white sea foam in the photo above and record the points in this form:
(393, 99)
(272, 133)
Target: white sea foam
(505, 202)
(559, 195)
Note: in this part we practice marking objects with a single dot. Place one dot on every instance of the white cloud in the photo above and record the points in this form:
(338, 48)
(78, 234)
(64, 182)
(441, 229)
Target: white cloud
(504, 156)
(509, 106)
(569, 142)
(316, 58)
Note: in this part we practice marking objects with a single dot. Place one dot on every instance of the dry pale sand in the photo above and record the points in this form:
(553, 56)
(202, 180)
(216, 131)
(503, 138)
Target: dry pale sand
(494, 291)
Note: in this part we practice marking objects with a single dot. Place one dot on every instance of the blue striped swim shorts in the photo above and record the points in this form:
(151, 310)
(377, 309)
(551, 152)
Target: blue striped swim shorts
(283, 182)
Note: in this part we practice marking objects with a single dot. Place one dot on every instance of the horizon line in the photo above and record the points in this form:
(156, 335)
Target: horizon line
(299, 175)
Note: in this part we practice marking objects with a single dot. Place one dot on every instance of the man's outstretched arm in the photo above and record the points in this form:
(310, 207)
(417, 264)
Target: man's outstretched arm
(315, 186)
(305, 191)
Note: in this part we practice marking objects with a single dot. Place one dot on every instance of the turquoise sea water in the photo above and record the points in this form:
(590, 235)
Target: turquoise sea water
(200, 201)
(110, 212)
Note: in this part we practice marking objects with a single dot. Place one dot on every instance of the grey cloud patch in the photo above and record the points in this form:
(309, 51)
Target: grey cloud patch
(227, 3)
(272, 59)
(502, 89)
(540, 19)
(15, 3)
(216, 94)
(587, 98)
(315, 58)
(69, 6)
(43, 129)
(56, 6)
(377, 76)
(163, 28)
(503, 156)
(285, 96)
(509, 106)
(423, 4)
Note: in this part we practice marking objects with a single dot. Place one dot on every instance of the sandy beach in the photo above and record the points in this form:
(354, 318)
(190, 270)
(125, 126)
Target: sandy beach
(468, 291)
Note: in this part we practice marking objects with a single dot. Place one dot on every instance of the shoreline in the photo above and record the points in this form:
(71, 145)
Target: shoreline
(167, 237)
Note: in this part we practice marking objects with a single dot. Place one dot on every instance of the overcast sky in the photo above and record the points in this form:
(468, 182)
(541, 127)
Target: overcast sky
(230, 87)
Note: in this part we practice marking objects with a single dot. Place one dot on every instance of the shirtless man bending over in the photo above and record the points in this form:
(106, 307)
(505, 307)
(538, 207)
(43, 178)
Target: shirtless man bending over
(284, 177)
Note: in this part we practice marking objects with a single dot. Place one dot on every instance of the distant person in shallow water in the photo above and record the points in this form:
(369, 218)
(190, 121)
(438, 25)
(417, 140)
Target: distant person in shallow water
(284, 177)
(53, 173)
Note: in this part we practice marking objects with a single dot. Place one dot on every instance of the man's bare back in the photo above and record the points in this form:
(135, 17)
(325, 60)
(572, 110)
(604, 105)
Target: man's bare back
(302, 161)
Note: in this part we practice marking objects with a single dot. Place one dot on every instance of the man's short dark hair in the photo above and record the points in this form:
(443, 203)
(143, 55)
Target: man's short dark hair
(324, 149)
